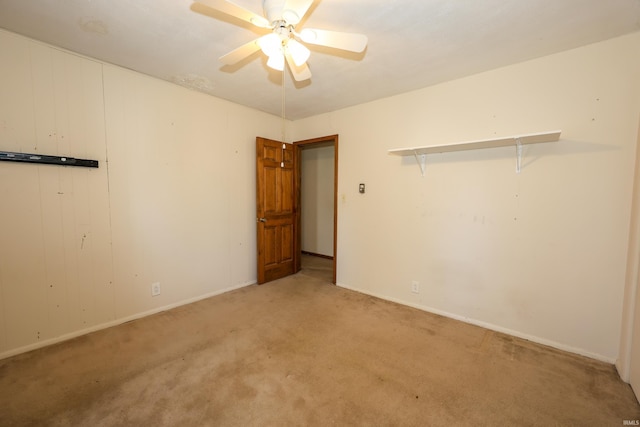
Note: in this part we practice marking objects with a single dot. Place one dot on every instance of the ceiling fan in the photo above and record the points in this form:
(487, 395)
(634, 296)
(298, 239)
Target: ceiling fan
(283, 41)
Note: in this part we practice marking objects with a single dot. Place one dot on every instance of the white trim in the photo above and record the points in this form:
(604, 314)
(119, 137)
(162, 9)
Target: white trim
(119, 321)
(632, 277)
(490, 326)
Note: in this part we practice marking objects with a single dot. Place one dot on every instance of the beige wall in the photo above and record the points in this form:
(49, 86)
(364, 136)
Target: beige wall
(541, 254)
(317, 169)
(173, 200)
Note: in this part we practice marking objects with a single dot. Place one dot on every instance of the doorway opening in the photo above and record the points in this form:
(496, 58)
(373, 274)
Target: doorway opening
(316, 199)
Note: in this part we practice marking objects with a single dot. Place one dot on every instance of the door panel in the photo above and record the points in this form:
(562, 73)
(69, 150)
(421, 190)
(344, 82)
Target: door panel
(287, 188)
(271, 190)
(286, 242)
(270, 246)
(275, 208)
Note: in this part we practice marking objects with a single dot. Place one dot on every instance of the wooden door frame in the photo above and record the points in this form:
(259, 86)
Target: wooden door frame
(299, 146)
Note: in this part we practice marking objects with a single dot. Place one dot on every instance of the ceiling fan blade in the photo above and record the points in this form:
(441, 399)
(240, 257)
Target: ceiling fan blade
(240, 53)
(231, 9)
(301, 72)
(294, 10)
(346, 41)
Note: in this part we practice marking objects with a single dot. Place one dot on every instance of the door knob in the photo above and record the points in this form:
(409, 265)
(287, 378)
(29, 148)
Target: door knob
(262, 219)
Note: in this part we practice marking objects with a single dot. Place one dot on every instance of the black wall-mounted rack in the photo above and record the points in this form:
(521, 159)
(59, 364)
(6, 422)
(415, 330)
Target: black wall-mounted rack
(47, 160)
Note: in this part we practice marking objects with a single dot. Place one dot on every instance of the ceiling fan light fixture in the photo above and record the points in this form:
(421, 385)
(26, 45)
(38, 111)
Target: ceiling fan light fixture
(276, 62)
(271, 44)
(298, 52)
(283, 43)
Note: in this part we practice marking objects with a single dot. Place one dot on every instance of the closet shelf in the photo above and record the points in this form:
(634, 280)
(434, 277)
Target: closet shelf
(420, 153)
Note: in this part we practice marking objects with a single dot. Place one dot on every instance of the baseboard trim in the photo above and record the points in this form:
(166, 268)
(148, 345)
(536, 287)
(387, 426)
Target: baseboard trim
(489, 326)
(119, 321)
(317, 255)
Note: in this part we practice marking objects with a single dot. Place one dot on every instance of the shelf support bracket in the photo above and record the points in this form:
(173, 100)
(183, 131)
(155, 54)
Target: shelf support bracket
(518, 155)
(422, 161)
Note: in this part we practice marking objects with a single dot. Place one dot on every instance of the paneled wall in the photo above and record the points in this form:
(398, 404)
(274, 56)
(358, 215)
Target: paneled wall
(56, 274)
(173, 201)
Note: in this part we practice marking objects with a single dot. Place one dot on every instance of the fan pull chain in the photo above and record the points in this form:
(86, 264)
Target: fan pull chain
(283, 108)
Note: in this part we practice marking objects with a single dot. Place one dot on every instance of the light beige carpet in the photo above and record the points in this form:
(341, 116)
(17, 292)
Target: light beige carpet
(299, 351)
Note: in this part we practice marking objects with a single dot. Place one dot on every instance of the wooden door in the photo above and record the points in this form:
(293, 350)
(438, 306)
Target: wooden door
(276, 213)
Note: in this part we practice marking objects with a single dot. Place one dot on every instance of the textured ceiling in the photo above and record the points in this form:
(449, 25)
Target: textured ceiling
(412, 43)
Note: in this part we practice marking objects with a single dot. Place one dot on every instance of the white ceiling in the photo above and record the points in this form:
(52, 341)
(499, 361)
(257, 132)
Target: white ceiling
(412, 43)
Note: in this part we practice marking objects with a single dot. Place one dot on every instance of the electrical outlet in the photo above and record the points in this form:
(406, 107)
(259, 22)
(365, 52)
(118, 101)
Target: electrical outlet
(155, 289)
(415, 287)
